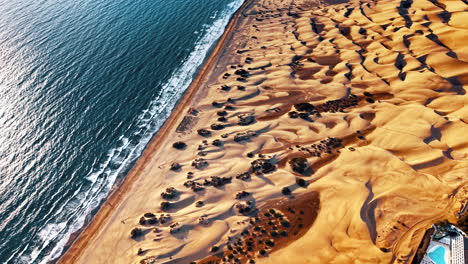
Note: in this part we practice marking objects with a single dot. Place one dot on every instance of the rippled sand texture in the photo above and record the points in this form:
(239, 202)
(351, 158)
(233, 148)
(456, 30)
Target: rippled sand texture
(358, 109)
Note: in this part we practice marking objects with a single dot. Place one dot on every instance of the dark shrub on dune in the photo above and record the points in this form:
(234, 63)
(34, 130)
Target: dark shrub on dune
(244, 207)
(301, 182)
(152, 221)
(204, 132)
(175, 166)
(242, 194)
(200, 164)
(217, 126)
(269, 243)
(285, 223)
(286, 191)
(242, 72)
(149, 215)
(306, 117)
(229, 107)
(293, 114)
(216, 181)
(217, 143)
(274, 233)
(225, 88)
(245, 120)
(305, 107)
(216, 104)
(214, 249)
(170, 193)
(165, 206)
(263, 165)
(136, 232)
(244, 136)
(222, 113)
(179, 145)
(243, 176)
(195, 186)
(300, 165)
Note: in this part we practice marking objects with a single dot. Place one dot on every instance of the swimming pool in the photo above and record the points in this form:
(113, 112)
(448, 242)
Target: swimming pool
(438, 254)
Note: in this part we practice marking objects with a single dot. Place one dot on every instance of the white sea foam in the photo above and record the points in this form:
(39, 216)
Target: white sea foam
(55, 234)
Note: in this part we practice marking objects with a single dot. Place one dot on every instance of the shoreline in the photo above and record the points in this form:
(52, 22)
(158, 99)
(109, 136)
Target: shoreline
(81, 237)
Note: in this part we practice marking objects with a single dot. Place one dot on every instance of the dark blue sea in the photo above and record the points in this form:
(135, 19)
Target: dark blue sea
(84, 85)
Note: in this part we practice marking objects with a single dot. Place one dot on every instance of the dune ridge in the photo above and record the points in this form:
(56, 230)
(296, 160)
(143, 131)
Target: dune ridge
(332, 131)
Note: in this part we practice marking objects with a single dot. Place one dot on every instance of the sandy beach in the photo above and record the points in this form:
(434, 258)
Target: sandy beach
(316, 132)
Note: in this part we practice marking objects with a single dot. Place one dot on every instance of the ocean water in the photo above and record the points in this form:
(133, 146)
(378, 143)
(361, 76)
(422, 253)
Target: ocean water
(84, 85)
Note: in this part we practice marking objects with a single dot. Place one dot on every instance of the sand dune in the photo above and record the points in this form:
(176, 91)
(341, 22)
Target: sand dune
(323, 133)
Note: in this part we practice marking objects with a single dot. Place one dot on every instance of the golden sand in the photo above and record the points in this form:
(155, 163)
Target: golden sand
(355, 114)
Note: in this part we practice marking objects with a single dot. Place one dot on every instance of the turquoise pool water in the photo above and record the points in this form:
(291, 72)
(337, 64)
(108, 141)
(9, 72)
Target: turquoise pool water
(438, 255)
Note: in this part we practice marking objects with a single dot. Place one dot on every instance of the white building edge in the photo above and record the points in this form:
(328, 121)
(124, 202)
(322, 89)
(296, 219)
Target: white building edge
(452, 242)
